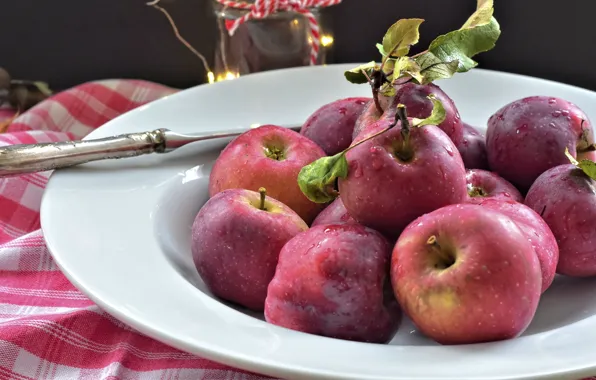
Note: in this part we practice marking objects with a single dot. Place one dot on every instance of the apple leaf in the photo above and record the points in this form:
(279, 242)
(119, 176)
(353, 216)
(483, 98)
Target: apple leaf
(317, 180)
(484, 11)
(388, 90)
(409, 66)
(381, 50)
(358, 75)
(587, 166)
(437, 116)
(479, 34)
(400, 37)
(432, 68)
(452, 52)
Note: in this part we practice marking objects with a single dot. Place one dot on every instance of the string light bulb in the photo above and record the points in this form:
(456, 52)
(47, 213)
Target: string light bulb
(326, 40)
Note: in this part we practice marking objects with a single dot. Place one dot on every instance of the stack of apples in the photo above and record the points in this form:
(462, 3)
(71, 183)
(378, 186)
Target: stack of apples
(419, 224)
(393, 205)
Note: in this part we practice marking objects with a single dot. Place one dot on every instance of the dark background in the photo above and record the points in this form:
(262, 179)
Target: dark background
(65, 42)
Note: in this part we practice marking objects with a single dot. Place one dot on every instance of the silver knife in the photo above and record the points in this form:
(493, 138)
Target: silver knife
(30, 158)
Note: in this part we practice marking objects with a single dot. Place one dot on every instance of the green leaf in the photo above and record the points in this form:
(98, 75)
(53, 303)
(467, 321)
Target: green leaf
(432, 68)
(400, 37)
(479, 34)
(460, 45)
(381, 50)
(317, 180)
(388, 90)
(357, 75)
(587, 166)
(409, 66)
(484, 12)
(452, 52)
(437, 116)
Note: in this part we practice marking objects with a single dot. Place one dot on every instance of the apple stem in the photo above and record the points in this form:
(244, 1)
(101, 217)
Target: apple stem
(446, 259)
(263, 193)
(378, 78)
(474, 191)
(405, 153)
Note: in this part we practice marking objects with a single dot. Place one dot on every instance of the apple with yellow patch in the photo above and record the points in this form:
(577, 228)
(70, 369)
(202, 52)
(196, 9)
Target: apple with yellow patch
(271, 157)
(466, 274)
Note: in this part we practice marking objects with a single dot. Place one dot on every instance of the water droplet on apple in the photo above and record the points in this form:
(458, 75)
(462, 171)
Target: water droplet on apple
(327, 230)
(568, 118)
(556, 114)
(343, 110)
(552, 125)
(552, 101)
(565, 113)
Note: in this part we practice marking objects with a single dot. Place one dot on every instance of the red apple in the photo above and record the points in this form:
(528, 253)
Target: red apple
(331, 126)
(371, 114)
(334, 213)
(483, 184)
(415, 98)
(466, 274)
(333, 280)
(236, 240)
(390, 183)
(565, 197)
(270, 157)
(473, 148)
(529, 136)
(536, 231)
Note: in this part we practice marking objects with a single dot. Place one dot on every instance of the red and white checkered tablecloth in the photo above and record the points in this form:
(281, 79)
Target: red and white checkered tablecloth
(48, 329)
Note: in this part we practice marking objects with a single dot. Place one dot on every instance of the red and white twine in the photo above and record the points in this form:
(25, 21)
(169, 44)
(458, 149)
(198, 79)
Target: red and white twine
(264, 8)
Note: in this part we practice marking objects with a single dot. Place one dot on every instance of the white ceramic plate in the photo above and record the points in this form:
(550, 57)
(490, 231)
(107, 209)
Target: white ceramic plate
(131, 253)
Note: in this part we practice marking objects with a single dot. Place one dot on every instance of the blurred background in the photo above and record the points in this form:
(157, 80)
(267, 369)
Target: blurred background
(67, 42)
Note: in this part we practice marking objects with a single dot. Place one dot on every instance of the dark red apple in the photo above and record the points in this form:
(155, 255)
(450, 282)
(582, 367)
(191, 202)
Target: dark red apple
(334, 213)
(537, 232)
(415, 98)
(333, 280)
(331, 126)
(565, 197)
(369, 115)
(268, 156)
(236, 241)
(483, 184)
(527, 137)
(392, 182)
(466, 274)
(473, 148)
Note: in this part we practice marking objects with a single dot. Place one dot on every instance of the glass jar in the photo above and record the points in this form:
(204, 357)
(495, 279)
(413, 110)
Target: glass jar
(279, 41)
